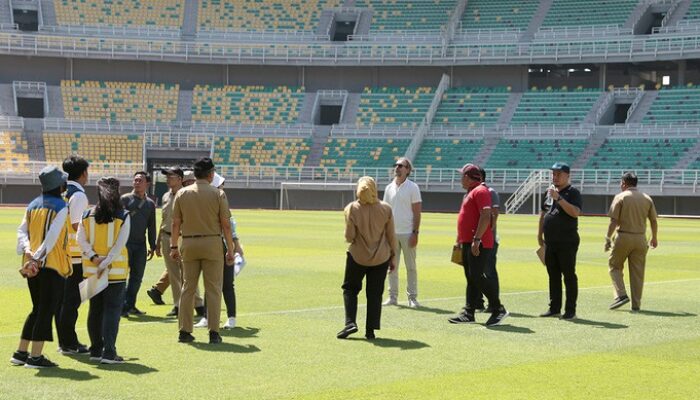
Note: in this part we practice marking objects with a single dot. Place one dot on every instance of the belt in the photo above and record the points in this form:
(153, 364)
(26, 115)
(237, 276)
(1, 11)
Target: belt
(632, 233)
(198, 236)
(167, 233)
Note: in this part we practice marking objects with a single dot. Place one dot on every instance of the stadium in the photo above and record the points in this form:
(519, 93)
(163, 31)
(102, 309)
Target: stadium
(295, 100)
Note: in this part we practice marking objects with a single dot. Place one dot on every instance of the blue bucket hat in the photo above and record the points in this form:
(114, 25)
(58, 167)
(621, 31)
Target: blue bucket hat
(51, 178)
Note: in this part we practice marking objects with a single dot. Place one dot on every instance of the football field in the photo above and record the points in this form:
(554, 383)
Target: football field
(290, 308)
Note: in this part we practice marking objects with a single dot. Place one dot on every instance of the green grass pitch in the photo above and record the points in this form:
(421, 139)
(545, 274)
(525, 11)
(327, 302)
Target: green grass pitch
(290, 307)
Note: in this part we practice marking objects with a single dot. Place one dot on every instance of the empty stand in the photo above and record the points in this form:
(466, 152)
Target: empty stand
(408, 15)
(295, 15)
(503, 14)
(693, 12)
(535, 153)
(590, 12)
(159, 13)
(554, 107)
(400, 106)
(262, 151)
(634, 153)
(247, 104)
(341, 154)
(447, 153)
(471, 106)
(675, 105)
(14, 152)
(94, 147)
(119, 101)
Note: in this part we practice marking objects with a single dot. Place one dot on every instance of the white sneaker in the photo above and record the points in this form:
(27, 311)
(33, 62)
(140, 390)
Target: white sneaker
(413, 303)
(230, 323)
(203, 323)
(391, 301)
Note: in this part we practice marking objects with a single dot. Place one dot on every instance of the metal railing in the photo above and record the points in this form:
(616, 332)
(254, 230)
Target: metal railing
(582, 32)
(11, 123)
(659, 130)
(142, 32)
(260, 36)
(633, 107)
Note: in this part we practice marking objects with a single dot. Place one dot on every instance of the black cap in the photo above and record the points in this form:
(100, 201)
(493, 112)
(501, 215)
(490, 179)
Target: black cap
(204, 164)
(173, 171)
(561, 166)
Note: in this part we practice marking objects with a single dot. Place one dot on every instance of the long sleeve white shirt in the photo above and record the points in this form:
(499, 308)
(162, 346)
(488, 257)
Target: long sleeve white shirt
(23, 245)
(116, 249)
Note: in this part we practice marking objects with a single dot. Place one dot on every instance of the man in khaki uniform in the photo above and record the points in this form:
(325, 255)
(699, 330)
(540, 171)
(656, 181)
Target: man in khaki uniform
(628, 214)
(200, 215)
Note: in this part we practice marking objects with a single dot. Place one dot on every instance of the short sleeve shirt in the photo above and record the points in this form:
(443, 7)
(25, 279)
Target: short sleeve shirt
(631, 209)
(167, 211)
(401, 198)
(560, 227)
(476, 200)
(201, 207)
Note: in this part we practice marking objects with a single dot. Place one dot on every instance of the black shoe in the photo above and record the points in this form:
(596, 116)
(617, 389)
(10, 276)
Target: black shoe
(136, 311)
(77, 349)
(125, 313)
(569, 315)
(369, 334)
(497, 317)
(19, 357)
(214, 337)
(172, 313)
(115, 360)
(200, 311)
(619, 302)
(347, 331)
(550, 313)
(489, 310)
(462, 318)
(39, 362)
(185, 337)
(95, 355)
(156, 296)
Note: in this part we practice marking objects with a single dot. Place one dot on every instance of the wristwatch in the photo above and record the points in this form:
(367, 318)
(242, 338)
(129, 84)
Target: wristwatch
(415, 232)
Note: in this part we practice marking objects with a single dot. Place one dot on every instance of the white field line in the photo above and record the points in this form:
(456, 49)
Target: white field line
(434, 300)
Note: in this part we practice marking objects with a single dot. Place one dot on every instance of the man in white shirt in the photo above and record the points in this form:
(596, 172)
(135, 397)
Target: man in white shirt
(404, 197)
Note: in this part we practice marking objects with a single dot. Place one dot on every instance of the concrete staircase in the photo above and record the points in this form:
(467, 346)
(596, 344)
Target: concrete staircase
(33, 132)
(643, 107)
(487, 149)
(689, 157)
(509, 109)
(307, 109)
(48, 13)
(7, 100)
(637, 13)
(55, 100)
(189, 22)
(597, 139)
(603, 101)
(364, 23)
(536, 21)
(184, 106)
(5, 12)
(324, 22)
(319, 139)
(678, 14)
(352, 105)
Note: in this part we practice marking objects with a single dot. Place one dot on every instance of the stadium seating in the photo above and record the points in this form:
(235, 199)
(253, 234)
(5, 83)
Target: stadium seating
(535, 153)
(13, 151)
(503, 14)
(400, 106)
(120, 101)
(590, 12)
(247, 104)
(340, 154)
(408, 15)
(693, 12)
(94, 147)
(471, 107)
(675, 105)
(650, 153)
(446, 153)
(262, 151)
(554, 107)
(296, 15)
(160, 13)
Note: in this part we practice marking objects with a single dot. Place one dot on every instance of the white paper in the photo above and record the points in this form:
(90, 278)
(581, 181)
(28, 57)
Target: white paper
(238, 264)
(93, 285)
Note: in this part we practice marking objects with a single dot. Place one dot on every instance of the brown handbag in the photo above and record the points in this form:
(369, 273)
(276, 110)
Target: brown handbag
(457, 254)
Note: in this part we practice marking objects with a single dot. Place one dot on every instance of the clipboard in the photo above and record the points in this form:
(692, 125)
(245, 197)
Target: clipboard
(92, 286)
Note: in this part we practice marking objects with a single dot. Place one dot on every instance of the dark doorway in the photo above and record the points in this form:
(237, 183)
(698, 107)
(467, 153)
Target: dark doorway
(621, 113)
(29, 107)
(656, 20)
(330, 115)
(26, 20)
(342, 29)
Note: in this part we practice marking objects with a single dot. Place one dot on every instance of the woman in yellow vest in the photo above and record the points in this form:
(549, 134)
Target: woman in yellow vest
(102, 235)
(41, 240)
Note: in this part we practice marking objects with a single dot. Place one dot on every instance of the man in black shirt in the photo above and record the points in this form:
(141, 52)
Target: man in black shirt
(558, 232)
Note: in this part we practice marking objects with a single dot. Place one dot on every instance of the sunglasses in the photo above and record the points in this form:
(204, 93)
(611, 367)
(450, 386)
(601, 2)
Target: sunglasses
(400, 166)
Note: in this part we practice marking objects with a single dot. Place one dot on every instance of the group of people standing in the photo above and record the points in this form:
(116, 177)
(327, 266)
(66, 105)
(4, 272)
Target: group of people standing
(63, 241)
(379, 231)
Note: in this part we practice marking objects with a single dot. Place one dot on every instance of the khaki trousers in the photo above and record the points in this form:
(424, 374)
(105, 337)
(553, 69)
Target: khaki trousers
(201, 256)
(173, 275)
(633, 248)
(409, 256)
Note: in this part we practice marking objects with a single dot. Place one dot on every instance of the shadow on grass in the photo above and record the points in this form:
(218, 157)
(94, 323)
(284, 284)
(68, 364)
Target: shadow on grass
(66, 373)
(148, 318)
(427, 310)
(511, 329)
(129, 367)
(518, 315)
(394, 343)
(664, 313)
(240, 332)
(226, 347)
(598, 324)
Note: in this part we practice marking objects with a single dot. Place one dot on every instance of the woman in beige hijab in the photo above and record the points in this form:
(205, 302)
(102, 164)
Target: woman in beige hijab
(369, 228)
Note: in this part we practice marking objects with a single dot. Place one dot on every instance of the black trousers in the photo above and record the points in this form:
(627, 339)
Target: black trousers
(68, 314)
(477, 281)
(560, 259)
(352, 285)
(46, 291)
(228, 291)
(491, 273)
(103, 320)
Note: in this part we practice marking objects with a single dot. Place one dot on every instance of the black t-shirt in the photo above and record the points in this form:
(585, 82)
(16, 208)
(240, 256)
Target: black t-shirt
(560, 227)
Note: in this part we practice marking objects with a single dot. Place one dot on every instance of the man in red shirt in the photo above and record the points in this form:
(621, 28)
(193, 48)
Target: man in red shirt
(475, 236)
